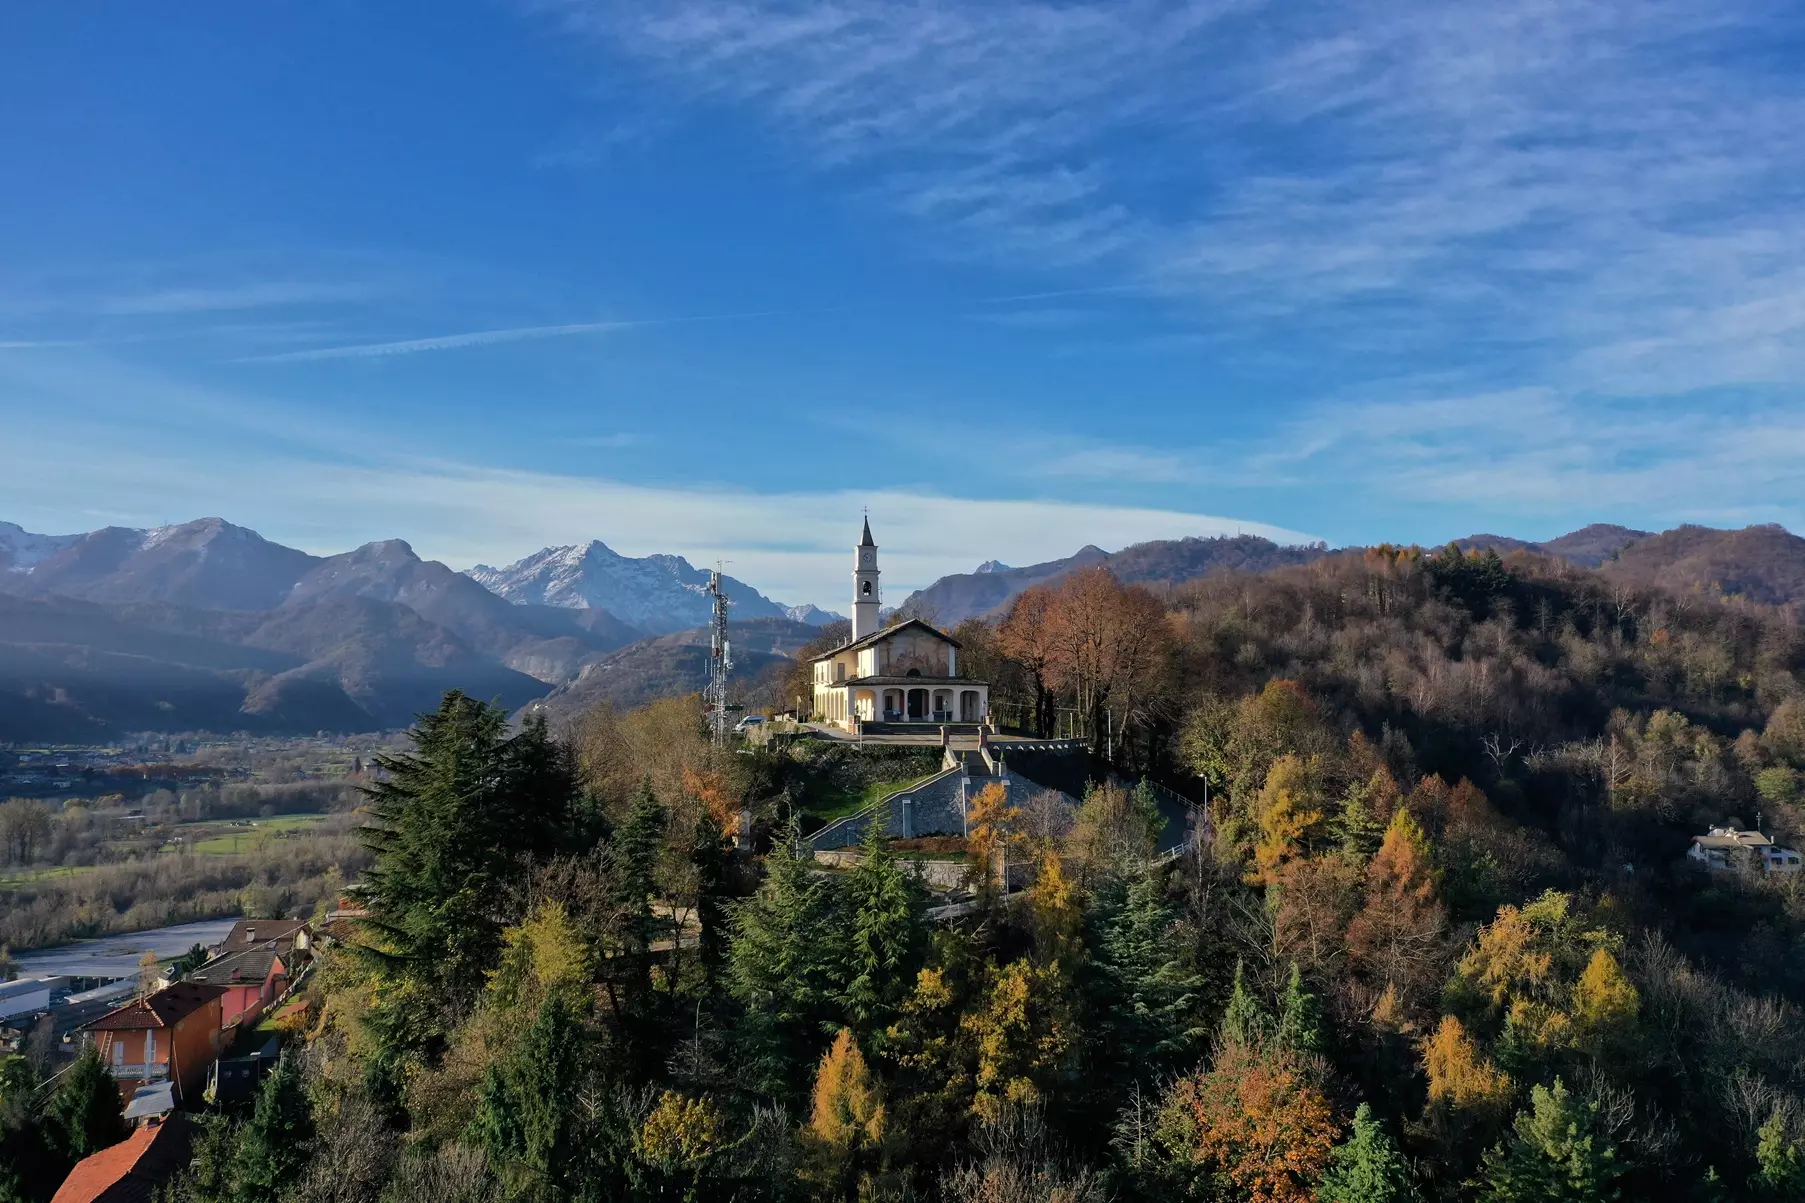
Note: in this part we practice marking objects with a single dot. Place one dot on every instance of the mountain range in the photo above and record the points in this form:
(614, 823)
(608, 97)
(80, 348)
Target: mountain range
(208, 626)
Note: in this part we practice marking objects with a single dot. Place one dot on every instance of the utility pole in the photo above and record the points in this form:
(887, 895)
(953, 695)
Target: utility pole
(720, 661)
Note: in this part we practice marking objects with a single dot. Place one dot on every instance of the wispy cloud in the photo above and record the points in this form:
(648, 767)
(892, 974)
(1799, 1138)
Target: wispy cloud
(264, 294)
(1602, 196)
(478, 338)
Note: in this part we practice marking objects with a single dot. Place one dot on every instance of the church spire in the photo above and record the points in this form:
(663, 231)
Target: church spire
(865, 596)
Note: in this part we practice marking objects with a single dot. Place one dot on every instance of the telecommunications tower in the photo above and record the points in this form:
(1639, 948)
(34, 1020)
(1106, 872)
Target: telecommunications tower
(720, 661)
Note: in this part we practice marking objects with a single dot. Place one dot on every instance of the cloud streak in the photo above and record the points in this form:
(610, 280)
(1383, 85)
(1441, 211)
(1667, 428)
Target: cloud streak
(479, 338)
(1602, 196)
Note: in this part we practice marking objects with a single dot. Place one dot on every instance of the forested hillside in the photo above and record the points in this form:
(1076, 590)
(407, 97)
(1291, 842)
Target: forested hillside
(1438, 939)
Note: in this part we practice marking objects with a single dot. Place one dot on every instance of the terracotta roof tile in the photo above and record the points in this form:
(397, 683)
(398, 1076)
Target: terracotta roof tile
(166, 1008)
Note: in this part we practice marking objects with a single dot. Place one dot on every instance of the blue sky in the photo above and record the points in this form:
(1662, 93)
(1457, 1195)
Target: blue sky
(709, 277)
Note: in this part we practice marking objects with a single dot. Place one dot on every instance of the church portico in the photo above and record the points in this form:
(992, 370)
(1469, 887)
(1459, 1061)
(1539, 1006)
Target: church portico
(904, 673)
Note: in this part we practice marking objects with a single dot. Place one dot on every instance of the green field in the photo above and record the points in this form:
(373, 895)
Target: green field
(26, 877)
(227, 840)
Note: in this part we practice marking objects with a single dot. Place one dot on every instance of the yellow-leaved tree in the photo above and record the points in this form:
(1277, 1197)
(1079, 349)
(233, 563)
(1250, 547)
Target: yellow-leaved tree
(1023, 1038)
(1288, 811)
(844, 1138)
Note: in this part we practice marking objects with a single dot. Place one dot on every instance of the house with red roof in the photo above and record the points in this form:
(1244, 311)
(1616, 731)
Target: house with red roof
(172, 1035)
(132, 1170)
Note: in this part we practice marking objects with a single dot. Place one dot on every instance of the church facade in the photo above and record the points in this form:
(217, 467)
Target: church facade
(906, 673)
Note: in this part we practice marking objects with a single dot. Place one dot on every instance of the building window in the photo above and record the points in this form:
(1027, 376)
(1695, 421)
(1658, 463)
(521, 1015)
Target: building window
(865, 588)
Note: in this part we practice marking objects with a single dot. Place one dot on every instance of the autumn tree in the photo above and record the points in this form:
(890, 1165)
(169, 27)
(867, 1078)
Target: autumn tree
(1254, 1122)
(1026, 636)
(1396, 937)
(844, 1138)
(990, 832)
(1108, 644)
(1288, 811)
(1023, 1038)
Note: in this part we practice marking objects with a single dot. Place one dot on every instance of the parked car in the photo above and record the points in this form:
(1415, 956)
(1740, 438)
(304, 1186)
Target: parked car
(749, 722)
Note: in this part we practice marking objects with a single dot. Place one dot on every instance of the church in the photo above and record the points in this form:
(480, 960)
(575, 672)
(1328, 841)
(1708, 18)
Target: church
(905, 673)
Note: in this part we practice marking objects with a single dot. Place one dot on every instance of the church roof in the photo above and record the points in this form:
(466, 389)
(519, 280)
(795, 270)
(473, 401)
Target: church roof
(866, 541)
(887, 632)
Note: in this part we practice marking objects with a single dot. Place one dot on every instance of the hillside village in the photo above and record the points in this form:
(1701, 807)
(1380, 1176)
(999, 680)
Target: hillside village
(993, 876)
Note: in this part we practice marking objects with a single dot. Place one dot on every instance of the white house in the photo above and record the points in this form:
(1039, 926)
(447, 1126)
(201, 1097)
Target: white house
(907, 673)
(1734, 848)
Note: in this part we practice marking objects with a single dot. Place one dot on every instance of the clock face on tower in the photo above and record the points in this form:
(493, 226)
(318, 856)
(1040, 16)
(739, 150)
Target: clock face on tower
(865, 557)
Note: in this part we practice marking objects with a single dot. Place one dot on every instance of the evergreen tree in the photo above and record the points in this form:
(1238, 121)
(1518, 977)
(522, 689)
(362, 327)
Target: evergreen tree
(1300, 1017)
(84, 1114)
(779, 968)
(1245, 1023)
(1367, 1167)
(448, 826)
(1553, 1155)
(633, 857)
(1149, 1009)
(1365, 810)
(1780, 1172)
(527, 1104)
(710, 857)
(273, 1145)
(886, 935)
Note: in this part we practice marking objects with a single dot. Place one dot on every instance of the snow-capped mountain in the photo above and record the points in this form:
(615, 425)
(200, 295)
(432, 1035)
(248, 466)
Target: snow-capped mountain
(20, 550)
(812, 614)
(656, 593)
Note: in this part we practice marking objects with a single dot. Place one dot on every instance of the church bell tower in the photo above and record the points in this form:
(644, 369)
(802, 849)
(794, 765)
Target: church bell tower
(864, 587)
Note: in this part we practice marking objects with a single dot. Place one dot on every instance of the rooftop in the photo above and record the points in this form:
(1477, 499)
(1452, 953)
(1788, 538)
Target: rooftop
(887, 632)
(130, 1171)
(235, 968)
(164, 1009)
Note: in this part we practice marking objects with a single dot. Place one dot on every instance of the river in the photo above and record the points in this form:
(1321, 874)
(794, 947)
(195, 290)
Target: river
(117, 956)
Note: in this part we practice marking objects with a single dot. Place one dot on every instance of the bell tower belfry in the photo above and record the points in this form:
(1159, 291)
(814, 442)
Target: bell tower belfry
(865, 594)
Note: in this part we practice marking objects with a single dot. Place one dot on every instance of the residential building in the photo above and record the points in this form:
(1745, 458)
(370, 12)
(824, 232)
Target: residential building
(289, 936)
(252, 980)
(1731, 847)
(172, 1035)
(132, 1171)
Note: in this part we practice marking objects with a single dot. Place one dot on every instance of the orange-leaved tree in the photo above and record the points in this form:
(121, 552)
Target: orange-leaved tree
(1397, 937)
(1255, 1120)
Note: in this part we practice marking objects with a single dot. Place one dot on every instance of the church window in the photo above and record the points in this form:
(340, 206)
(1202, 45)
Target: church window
(865, 588)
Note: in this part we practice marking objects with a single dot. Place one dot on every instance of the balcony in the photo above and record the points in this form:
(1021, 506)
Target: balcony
(139, 1071)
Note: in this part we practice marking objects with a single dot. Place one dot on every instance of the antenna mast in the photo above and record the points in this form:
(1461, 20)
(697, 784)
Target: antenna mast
(720, 661)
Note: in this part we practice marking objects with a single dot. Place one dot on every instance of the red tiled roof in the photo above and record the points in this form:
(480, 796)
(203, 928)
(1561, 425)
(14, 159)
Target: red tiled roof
(164, 1009)
(130, 1171)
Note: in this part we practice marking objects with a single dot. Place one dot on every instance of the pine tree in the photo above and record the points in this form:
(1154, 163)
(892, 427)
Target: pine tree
(633, 855)
(84, 1114)
(448, 824)
(1553, 1155)
(1300, 1018)
(1149, 1009)
(273, 1145)
(527, 1110)
(710, 857)
(1367, 1167)
(1360, 827)
(886, 935)
(778, 968)
(1245, 1023)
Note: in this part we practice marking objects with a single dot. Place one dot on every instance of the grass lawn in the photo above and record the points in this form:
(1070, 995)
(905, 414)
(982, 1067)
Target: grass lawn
(839, 806)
